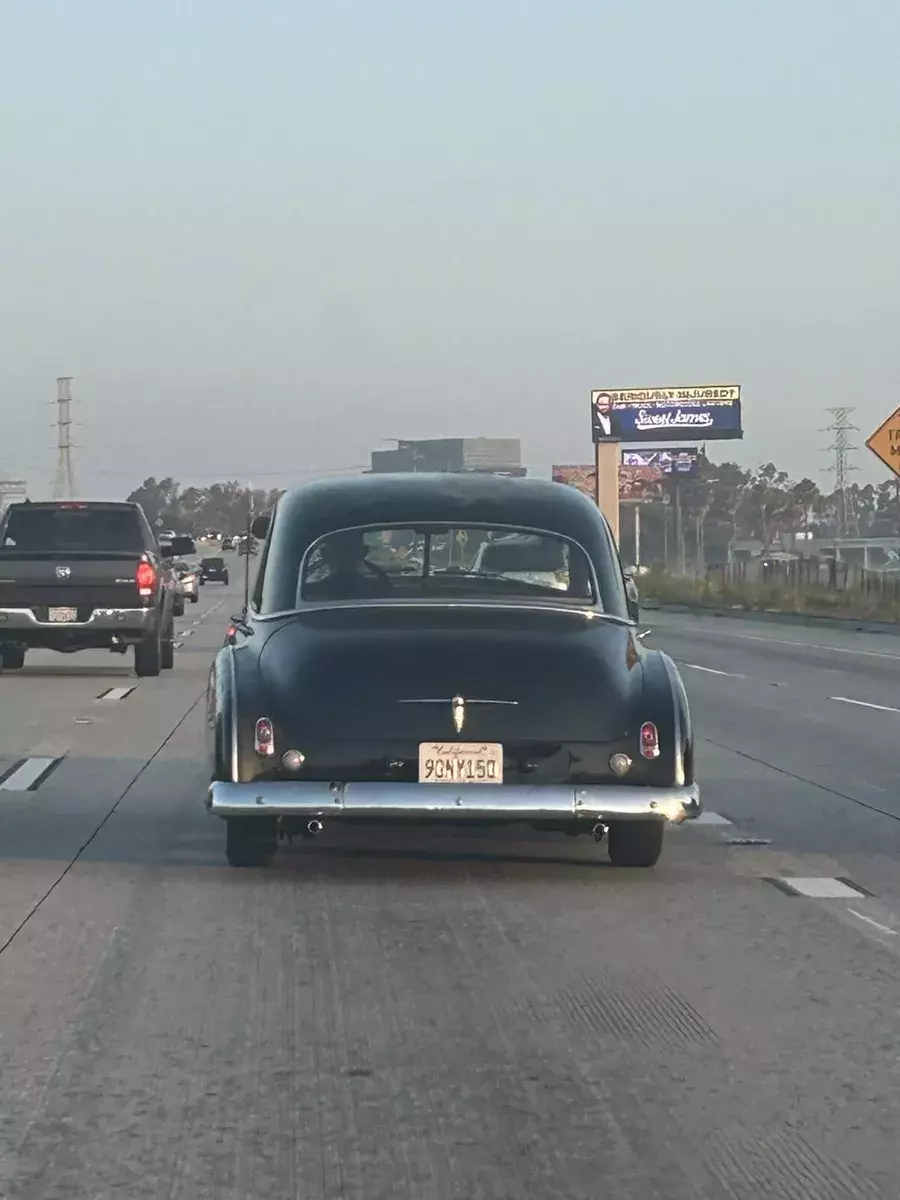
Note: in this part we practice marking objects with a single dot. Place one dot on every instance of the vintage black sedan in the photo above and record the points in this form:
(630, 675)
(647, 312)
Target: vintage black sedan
(458, 648)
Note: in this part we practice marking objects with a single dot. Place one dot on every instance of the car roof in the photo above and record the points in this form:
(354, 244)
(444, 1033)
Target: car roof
(422, 497)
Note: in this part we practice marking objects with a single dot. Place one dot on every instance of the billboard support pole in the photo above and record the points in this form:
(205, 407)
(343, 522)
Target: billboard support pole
(679, 533)
(606, 466)
(637, 535)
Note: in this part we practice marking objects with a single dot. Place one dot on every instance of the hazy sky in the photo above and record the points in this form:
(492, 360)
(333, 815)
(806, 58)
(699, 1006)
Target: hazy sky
(263, 237)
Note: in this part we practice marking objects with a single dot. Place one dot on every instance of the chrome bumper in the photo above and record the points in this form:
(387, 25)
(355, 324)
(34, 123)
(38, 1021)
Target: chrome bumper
(442, 801)
(113, 619)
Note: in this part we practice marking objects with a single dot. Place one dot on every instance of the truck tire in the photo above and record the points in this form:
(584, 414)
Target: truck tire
(167, 652)
(12, 657)
(178, 606)
(194, 598)
(148, 656)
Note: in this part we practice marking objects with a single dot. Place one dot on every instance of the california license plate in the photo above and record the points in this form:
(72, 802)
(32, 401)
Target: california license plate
(460, 762)
(60, 616)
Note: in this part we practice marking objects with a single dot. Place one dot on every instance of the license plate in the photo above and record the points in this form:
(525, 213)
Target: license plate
(60, 616)
(460, 762)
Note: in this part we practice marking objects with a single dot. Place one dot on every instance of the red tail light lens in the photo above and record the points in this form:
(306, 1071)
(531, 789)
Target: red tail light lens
(146, 578)
(649, 740)
(264, 741)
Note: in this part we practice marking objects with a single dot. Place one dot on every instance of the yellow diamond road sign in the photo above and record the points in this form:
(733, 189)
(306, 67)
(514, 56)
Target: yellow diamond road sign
(885, 442)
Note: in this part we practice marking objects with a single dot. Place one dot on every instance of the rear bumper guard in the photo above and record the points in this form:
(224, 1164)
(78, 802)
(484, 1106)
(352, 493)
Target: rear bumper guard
(101, 619)
(444, 801)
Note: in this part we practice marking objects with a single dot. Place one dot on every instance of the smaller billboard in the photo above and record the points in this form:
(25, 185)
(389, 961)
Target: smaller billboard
(666, 414)
(584, 478)
(683, 461)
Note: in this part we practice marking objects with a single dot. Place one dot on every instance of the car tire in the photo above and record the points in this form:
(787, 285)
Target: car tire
(635, 843)
(250, 841)
(12, 658)
(148, 656)
(167, 652)
(225, 579)
(178, 606)
(194, 598)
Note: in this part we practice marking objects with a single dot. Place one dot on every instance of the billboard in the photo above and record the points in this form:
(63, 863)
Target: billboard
(642, 474)
(683, 461)
(666, 414)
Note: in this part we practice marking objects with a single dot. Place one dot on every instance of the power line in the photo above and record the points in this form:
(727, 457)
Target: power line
(841, 426)
(64, 486)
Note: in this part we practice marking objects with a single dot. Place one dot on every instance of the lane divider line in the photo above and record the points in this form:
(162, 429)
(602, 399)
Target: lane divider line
(116, 693)
(186, 632)
(869, 921)
(817, 887)
(30, 775)
(710, 671)
(178, 645)
(864, 704)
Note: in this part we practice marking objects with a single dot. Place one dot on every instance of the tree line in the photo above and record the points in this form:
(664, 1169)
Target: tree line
(726, 504)
(722, 505)
(223, 507)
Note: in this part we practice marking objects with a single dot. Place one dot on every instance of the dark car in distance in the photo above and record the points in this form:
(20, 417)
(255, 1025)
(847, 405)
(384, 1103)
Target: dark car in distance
(390, 670)
(87, 575)
(213, 570)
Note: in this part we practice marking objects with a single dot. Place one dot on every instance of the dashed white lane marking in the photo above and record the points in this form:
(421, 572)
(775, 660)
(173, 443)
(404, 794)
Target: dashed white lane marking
(864, 704)
(710, 818)
(118, 693)
(178, 645)
(28, 775)
(884, 928)
(710, 671)
(820, 888)
(754, 637)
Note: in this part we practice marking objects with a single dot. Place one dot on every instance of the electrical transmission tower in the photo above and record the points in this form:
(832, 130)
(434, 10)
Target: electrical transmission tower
(64, 487)
(841, 427)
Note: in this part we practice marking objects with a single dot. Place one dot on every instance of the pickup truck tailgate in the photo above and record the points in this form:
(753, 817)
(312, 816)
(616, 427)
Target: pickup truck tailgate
(40, 581)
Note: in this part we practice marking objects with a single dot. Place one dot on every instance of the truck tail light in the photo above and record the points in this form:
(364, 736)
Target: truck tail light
(146, 578)
(264, 739)
(649, 740)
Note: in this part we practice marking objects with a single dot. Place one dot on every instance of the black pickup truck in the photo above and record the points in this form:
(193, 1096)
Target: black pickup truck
(86, 575)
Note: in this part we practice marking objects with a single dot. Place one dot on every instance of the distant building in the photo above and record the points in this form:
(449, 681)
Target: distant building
(12, 491)
(486, 456)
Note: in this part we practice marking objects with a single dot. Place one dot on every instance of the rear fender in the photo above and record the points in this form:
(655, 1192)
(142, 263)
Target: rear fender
(234, 704)
(666, 705)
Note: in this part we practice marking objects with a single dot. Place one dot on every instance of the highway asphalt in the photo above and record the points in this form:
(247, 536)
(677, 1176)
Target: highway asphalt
(437, 1016)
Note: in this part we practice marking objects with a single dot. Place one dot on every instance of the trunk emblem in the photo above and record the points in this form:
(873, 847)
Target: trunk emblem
(458, 707)
(63, 572)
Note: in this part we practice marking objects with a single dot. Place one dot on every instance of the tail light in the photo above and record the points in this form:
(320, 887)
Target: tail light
(264, 739)
(146, 578)
(649, 740)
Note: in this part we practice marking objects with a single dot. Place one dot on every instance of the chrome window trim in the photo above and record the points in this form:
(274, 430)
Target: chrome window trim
(487, 525)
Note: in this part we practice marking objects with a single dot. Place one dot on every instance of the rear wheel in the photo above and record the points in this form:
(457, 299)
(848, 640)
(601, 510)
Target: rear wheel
(12, 657)
(194, 598)
(178, 606)
(635, 843)
(167, 652)
(250, 841)
(148, 656)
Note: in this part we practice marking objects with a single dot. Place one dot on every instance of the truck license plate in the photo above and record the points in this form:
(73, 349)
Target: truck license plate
(59, 616)
(460, 762)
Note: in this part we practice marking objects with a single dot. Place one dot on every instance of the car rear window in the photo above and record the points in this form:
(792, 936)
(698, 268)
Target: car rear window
(213, 562)
(70, 530)
(437, 562)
